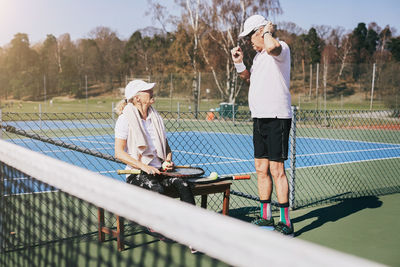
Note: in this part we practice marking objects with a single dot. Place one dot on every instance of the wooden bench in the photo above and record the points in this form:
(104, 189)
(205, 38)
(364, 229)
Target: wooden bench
(198, 189)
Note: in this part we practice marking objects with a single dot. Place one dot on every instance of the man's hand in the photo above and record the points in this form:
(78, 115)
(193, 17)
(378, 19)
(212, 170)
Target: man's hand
(271, 45)
(237, 54)
(269, 28)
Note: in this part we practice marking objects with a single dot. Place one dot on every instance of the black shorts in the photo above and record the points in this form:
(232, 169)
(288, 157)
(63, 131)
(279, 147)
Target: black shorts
(271, 138)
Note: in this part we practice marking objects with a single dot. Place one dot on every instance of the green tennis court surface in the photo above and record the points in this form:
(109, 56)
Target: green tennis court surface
(365, 226)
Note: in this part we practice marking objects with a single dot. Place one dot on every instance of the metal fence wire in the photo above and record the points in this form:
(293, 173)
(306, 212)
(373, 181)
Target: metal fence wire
(334, 154)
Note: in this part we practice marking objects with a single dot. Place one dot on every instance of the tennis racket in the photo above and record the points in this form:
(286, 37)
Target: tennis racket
(207, 180)
(178, 171)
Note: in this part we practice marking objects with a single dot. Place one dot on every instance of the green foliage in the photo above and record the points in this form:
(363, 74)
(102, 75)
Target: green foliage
(394, 48)
(315, 45)
(341, 89)
(60, 65)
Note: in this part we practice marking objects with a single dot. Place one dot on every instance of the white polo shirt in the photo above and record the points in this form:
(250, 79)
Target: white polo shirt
(269, 95)
(122, 130)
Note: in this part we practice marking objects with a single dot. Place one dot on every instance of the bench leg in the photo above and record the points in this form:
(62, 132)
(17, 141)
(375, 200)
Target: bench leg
(100, 217)
(225, 205)
(120, 233)
(204, 201)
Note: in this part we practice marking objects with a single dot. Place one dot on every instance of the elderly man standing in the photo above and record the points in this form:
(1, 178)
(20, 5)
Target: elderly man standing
(270, 106)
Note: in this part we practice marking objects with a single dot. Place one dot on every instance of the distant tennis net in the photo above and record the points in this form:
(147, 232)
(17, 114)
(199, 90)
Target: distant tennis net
(48, 217)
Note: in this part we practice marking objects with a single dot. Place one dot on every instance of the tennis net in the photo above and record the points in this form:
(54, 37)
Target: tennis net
(49, 217)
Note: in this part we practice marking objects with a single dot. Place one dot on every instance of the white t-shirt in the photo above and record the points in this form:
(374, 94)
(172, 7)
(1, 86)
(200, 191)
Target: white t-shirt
(269, 95)
(121, 132)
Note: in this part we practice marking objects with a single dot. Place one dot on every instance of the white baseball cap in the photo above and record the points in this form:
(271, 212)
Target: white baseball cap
(136, 86)
(253, 23)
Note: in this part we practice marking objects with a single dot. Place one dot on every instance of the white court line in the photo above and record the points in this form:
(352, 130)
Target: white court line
(71, 150)
(202, 154)
(225, 162)
(346, 151)
(88, 141)
(226, 133)
(347, 162)
(30, 193)
(345, 140)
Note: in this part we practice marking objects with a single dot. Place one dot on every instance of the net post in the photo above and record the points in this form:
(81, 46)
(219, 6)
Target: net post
(292, 156)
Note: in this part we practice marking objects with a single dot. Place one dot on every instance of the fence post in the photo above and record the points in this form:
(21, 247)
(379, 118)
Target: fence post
(87, 109)
(40, 116)
(292, 158)
(112, 112)
(179, 114)
(309, 96)
(1, 131)
(372, 87)
(316, 86)
(170, 94)
(233, 113)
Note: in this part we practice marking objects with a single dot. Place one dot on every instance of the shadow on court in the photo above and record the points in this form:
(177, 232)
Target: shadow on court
(336, 212)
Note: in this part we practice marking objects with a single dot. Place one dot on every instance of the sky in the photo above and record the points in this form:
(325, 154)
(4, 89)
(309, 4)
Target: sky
(37, 18)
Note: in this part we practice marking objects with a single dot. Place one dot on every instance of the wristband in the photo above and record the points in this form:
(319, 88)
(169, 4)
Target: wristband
(240, 67)
(270, 33)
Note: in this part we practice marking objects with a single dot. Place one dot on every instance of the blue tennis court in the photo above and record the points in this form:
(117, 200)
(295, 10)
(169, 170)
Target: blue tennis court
(56, 124)
(235, 150)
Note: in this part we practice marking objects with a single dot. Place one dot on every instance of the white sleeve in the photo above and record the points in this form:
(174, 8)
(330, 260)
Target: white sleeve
(121, 127)
(285, 52)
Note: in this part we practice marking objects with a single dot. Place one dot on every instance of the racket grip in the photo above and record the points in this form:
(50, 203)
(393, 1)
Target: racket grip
(128, 171)
(241, 177)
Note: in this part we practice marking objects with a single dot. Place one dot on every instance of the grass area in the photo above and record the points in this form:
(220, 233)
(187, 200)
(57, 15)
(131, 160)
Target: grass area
(100, 104)
(105, 104)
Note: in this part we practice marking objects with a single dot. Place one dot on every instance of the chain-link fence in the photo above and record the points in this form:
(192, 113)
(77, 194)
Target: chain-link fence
(346, 154)
(333, 154)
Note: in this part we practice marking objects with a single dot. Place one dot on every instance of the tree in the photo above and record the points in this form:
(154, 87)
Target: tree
(315, 45)
(384, 36)
(3, 77)
(22, 69)
(214, 27)
(359, 36)
(371, 41)
(69, 69)
(50, 63)
(90, 60)
(394, 48)
(343, 53)
(110, 48)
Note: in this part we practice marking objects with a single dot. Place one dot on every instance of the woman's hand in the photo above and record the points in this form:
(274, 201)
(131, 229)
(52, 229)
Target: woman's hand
(149, 169)
(167, 166)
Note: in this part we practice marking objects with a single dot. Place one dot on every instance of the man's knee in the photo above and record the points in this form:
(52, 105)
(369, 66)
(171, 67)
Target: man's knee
(278, 171)
(261, 167)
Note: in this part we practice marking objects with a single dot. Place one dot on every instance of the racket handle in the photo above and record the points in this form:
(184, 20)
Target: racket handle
(128, 171)
(241, 177)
